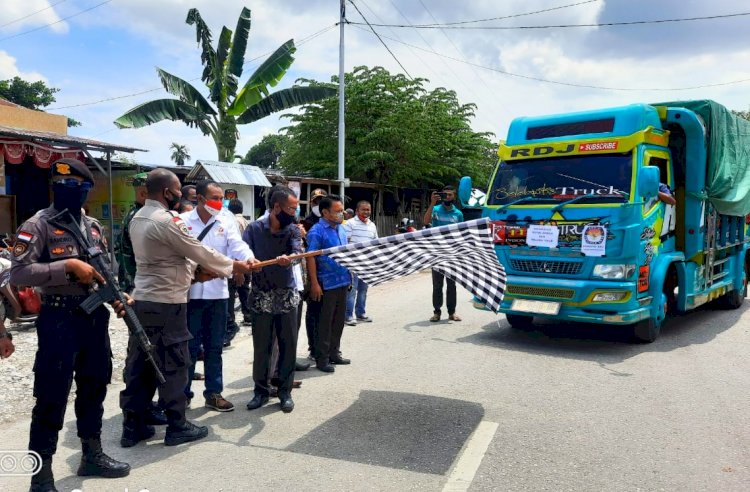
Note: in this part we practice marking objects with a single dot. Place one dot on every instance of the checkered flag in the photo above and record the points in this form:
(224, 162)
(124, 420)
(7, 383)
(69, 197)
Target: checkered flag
(462, 252)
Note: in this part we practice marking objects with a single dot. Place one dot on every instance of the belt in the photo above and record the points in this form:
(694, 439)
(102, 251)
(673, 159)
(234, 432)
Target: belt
(61, 301)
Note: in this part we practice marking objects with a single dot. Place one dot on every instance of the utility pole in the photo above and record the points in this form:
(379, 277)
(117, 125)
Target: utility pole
(342, 126)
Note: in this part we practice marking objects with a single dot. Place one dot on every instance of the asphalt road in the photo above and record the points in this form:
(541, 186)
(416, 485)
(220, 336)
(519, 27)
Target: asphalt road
(474, 404)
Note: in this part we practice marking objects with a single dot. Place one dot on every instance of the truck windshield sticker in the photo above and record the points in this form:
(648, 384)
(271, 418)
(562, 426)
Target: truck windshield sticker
(598, 178)
(594, 240)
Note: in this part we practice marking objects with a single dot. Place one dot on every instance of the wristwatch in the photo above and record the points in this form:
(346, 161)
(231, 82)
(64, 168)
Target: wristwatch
(6, 334)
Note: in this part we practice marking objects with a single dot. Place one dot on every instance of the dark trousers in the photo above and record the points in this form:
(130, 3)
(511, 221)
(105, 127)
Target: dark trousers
(166, 327)
(72, 345)
(243, 293)
(331, 324)
(437, 293)
(207, 322)
(312, 318)
(266, 327)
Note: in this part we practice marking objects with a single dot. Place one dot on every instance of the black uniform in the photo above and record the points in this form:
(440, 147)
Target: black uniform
(72, 344)
(312, 314)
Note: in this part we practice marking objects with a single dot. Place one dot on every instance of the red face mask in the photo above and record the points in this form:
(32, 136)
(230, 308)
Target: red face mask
(213, 206)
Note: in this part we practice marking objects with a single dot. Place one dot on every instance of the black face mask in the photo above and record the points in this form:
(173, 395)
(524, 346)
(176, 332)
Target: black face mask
(448, 203)
(284, 218)
(70, 198)
(173, 202)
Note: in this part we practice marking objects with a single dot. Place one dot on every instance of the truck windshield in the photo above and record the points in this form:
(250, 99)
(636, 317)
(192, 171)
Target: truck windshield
(557, 179)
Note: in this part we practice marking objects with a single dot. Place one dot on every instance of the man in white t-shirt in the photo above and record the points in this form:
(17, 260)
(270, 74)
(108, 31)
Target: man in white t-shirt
(359, 229)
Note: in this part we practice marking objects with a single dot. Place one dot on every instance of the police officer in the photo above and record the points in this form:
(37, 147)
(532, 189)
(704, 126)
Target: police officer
(167, 258)
(126, 272)
(72, 344)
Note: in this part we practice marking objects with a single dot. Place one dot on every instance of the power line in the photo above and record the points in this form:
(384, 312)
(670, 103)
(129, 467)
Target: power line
(56, 22)
(33, 13)
(381, 40)
(303, 41)
(561, 26)
(570, 84)
(506, 16)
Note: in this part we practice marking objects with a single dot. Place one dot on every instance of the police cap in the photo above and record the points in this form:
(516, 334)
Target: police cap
(139, 179)
(71, 167)
(318, 193)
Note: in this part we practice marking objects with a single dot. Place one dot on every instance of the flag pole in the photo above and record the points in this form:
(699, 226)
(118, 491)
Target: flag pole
(298, 256)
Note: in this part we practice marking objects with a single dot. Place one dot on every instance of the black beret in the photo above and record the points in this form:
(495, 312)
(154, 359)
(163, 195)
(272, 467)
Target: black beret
(72, 167)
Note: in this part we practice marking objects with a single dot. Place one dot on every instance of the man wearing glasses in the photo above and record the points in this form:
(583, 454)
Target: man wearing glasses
(72, 344)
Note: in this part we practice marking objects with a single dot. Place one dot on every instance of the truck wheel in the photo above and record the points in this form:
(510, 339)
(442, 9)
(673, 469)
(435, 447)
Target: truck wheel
(3, 312)
(646, 330)
(519, 321)
(735, 298)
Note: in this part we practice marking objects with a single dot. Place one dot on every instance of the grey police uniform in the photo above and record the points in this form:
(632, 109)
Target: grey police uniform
(166, 256)
(71, 343)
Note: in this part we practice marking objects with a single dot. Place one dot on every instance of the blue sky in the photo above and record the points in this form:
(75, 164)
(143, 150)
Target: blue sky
(111, 51)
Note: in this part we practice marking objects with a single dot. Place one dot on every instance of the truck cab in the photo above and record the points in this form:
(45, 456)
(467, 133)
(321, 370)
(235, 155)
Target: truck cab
(579, 225)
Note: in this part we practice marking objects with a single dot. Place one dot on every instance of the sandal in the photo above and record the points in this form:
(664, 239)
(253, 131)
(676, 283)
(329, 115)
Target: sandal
(454, 317)
(435, 317)
(198, 377)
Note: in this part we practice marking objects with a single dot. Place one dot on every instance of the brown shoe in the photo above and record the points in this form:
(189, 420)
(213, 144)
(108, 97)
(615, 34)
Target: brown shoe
(218, 403)
(454, 317)
(435, 317)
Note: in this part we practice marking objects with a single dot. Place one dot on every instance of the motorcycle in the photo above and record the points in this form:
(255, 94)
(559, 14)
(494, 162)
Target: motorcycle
(17, 304)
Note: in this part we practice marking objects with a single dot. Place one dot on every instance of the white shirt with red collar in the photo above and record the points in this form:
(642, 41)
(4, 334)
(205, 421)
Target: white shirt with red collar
(225, 238)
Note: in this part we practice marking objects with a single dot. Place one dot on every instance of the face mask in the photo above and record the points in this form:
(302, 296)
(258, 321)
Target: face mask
(284, 218)
(172, 200)
(448, 203)
(316, 210)
(337, 218)
(213, 207)
(363, 217)
(194, 202)
(70, 198)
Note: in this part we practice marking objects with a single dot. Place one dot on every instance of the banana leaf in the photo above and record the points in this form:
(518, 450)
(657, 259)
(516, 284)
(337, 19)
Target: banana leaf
(285, 99)
(164, 109)
(237, 51)
(203, 36)
(270, 72)
(185, 91)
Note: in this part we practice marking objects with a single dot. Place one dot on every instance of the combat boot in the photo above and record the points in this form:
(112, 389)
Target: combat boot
(43, 481)
(95, 463)
(155, 415)
(182, 432)
(134, 431)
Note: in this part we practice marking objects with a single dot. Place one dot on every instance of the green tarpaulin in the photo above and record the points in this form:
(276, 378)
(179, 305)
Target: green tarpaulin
(728, 177)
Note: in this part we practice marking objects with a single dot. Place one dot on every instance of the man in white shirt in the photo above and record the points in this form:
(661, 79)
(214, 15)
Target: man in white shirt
(208, 301)
(359, 229)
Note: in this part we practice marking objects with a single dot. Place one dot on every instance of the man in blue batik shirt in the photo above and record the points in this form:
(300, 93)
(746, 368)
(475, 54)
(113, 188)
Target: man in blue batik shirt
(329, 283)
(438, 215)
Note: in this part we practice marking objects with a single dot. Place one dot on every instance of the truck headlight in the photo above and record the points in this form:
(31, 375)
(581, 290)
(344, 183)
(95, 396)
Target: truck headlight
(609, 296)
(614, 272)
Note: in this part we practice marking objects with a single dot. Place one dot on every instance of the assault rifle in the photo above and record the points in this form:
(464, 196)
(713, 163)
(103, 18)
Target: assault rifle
(110, 291)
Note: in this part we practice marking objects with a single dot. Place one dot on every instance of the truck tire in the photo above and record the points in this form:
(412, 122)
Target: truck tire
(646, 330)
(3, 312)
(734, 298)
(519, 321)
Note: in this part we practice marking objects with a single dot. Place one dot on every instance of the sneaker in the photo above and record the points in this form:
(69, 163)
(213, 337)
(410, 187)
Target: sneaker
(219, 403)
(364, 319)
(435, 317)
(350, 322)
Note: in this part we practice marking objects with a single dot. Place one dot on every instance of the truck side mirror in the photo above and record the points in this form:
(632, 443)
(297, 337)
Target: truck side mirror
(464, 190)
(648, 182)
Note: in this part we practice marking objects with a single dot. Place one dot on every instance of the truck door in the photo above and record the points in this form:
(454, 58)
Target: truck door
(663, 224)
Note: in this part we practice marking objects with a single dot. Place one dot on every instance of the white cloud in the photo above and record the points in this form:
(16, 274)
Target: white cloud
(9, 69)
(21, 15)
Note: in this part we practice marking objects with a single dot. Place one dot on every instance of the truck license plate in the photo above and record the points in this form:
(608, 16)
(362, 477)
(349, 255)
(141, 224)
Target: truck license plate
(536, 307)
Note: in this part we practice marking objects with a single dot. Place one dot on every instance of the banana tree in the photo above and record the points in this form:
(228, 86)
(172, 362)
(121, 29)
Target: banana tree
(232, 105)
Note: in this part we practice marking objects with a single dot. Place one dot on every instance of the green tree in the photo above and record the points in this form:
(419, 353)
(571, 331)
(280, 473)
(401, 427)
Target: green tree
(742, 114)
(180, 153)
(222, 69)
(32, 95)
(397, 133)
(268, 152)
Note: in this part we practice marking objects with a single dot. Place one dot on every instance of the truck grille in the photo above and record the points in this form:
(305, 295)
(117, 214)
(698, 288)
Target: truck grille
(553, 293)
(543, 266)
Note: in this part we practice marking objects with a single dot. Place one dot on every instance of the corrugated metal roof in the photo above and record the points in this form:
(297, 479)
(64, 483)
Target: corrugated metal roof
(59, 139)
(230, 173)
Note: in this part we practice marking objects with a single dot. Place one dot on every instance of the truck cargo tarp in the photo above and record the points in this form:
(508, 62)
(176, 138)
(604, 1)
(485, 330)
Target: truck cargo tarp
(728, 177)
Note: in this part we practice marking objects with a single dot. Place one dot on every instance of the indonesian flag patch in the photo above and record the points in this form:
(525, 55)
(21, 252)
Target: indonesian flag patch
(181, 225)
(25, 236)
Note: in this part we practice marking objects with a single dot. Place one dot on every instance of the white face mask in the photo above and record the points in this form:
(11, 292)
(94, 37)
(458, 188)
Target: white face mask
(211, 210)
(316, 210)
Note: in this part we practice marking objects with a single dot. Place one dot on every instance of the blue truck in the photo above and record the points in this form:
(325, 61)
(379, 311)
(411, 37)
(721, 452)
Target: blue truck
(622, 216)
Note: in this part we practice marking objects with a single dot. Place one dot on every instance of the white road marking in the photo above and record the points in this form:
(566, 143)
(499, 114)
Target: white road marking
(471, 457)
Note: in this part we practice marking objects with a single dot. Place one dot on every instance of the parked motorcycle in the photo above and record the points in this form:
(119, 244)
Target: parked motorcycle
(17, 304)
